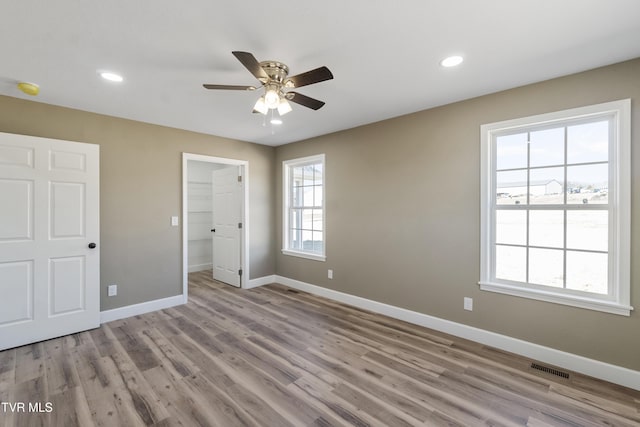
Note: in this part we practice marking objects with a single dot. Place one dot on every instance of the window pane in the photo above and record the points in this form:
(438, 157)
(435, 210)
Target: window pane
(546, 228)
(588, 184)
(511, 151)
(317, 220)
(297, 175)
(308, 174)
(317, 176)
(318, 242)
(317, 195)
(588, 230)
(296, 218)
(546, 267)
(511, 227)
(307, 240)
(547, 147)
(588, 142)
(511, 263)
(511, 187)
(295, 238)
(587, 272)
(307, 219)
(308, 196)
(297, 193)
(546, 186)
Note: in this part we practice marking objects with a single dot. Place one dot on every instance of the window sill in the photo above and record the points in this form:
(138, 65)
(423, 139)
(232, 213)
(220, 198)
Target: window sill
(570, 300)
(304, 255)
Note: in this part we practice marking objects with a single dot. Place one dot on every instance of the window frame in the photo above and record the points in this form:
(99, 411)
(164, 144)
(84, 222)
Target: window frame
(618, 300)
(287, 184)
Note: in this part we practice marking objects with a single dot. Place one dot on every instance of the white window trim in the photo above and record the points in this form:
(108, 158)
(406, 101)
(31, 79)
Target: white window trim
(286, 166)
(619, 302)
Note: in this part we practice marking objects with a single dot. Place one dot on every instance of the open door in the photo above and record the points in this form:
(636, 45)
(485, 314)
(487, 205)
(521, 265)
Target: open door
(49, 236)
(227, 188)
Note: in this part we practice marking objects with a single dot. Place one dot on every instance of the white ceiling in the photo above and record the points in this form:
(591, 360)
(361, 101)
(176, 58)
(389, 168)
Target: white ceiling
(384, 55)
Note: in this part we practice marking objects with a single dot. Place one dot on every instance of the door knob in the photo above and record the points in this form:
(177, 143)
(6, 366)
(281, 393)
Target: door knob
(92, 245)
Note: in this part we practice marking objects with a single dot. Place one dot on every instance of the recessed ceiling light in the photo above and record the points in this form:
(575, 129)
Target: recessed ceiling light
(112, 77)
(452, 61)
(276, 121)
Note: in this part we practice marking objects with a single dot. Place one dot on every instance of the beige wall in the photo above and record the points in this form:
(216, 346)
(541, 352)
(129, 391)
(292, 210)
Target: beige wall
(403, 220)
(141, 188)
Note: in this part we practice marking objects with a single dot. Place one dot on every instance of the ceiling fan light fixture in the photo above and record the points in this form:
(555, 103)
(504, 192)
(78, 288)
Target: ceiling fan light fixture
(271, 98)
(261, 106)
(284, 107)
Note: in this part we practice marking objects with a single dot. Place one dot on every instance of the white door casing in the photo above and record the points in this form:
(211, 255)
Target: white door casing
(227, 215)
(49, 214)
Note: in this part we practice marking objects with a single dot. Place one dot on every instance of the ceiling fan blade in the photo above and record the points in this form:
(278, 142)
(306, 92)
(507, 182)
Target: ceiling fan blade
(304, 100)
(310, 77)
(229, 87)
(251, 63)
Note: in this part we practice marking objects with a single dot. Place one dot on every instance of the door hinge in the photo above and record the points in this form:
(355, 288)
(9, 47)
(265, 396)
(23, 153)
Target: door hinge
(239, 178)
(240, 272)
(239, 225)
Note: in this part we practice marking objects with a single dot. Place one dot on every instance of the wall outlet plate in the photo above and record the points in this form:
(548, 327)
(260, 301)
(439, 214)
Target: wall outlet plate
(112, 290)
(175, 221)
(468, 303)
(330, 274)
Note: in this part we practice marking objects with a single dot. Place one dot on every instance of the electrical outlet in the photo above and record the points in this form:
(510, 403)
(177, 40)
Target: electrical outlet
(112, 290)
(468, 303)
(330, 274)
(175, 221)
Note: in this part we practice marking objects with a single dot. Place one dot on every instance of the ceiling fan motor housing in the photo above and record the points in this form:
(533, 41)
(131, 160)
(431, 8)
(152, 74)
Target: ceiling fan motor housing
(277, 71)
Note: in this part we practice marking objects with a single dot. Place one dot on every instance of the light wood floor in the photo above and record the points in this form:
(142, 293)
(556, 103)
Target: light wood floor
(272, 357)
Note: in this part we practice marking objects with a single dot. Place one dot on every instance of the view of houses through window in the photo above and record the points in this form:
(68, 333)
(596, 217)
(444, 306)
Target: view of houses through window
(304, 206)
(555, 207)
(552, 206)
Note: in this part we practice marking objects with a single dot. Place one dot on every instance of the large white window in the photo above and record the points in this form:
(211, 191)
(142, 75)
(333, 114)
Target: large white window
(304, 213)
(555, 207)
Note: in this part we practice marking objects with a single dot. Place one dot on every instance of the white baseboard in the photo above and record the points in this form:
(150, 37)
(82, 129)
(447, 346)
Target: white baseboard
(137, 309)
(260, 281)
(199, 267)
(594, 368)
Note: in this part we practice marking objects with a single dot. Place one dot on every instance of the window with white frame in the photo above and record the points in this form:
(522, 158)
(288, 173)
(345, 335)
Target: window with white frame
(304, 213)
(555, 207)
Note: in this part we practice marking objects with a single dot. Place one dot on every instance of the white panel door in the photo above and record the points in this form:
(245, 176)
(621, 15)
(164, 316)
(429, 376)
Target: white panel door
(49, 231)
(227, 215)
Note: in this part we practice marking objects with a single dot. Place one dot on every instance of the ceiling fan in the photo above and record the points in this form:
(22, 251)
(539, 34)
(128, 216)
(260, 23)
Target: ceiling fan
(273, 76)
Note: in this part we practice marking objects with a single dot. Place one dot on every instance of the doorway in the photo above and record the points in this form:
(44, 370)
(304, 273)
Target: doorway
(215, 237)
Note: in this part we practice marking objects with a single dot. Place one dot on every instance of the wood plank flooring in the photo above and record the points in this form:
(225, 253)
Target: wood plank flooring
(272, 356)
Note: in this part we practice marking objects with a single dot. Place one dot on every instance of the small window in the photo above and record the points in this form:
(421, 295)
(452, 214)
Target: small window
(556, 207)
(304, 213)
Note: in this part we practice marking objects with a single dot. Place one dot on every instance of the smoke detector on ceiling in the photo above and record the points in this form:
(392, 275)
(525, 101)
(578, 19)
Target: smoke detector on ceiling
(29, 88)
